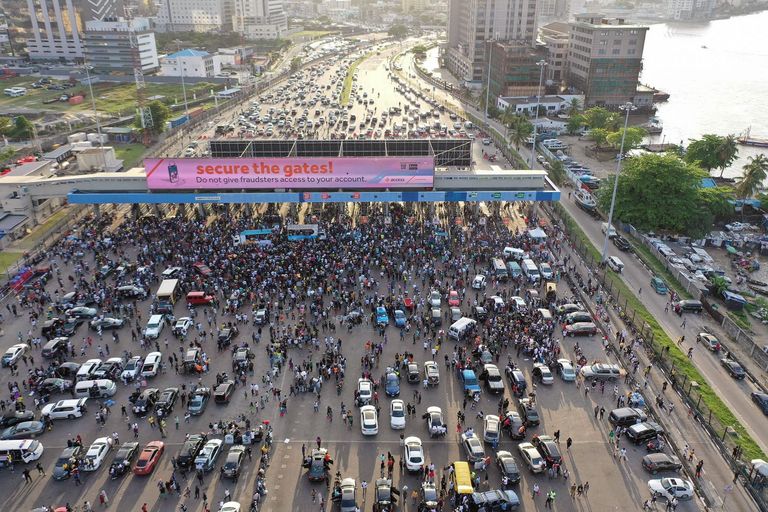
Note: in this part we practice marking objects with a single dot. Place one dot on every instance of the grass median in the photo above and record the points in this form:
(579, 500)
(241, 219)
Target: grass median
(346, 91)
(684, 368)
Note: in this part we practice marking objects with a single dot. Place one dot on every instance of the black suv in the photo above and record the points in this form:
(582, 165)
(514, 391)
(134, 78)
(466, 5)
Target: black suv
(641, 432)
(622, 243)
(192, 446)
(145, 402)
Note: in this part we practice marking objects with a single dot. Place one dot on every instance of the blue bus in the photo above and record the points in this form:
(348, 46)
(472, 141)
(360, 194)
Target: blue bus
(258, 236)
(298, 232)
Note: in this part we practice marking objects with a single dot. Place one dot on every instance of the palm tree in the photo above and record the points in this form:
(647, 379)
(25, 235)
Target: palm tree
(753, 176)
(519, 130)
(726, 152)
(507, 118)
(574, 107)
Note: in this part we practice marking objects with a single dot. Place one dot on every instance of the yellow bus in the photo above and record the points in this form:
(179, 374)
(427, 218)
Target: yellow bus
(462, 478)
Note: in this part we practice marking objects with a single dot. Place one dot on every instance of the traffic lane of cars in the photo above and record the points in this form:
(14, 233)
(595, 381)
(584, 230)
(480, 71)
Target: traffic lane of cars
(735, 393)
(54, 442)
(563, 408)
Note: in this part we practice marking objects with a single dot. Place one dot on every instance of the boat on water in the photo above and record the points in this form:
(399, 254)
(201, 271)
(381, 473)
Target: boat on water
(653, 126)
(746, 139)
(585, 200)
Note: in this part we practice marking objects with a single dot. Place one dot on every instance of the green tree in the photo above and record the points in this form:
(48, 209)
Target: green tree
(574, 107)
(718, 201)
(718, 285)
(398, 31)
(598, 117)
(712, 152)
(574, 124)
(520, 129)
(659, 193)
(419, 50)
(599, 136)
(295, 63)
(753, 175)
(6, 124)
(634, 138)
(7, 153)
(22, 128)
(160, 115)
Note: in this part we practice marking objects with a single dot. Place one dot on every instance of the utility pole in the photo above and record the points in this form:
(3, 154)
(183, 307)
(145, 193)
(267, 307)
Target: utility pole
(542, 63)
(627, 107)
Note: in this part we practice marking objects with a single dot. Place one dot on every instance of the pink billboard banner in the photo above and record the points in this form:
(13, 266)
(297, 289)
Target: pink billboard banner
(293, 173)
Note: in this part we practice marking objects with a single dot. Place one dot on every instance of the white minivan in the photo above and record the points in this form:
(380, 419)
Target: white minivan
(154, 327)
(530, 270)
(99, 388)
(461, 328)
(615, 264)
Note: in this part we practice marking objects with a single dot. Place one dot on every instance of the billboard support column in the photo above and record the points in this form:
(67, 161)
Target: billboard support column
(201, 210)
(96, 211)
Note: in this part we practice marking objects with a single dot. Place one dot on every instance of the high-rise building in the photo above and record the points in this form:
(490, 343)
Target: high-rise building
(260, 19)
(410, 6)
(54, 31)
(473, 23)
(100, 9)
(108, 46)
(194, 15)
(514, 69)
(686, 10)
(555, 37)
(554, 9)
(605, 58)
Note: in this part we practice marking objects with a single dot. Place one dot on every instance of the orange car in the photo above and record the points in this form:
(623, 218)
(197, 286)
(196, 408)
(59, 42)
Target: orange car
(148, 458)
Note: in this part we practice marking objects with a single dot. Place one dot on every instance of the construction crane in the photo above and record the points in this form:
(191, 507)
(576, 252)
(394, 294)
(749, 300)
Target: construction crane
(144, 112)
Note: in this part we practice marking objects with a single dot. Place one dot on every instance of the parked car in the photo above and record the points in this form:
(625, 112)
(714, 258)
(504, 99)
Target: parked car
(392, 383)
(532, 457)
(528, 412)
(106, 323)
(761, 399)
(146, 401)
(473, 448)
(97, 453)
(23, 430)
(11, 417)
(542, 374)
(206, 459)
(622, 243)
(369, 421)
(166, 401)
(655, 462)
(132, 369)
(123, 459)
(148, 458)
(70, 456)
(601, 371)
(397, 414)
(659, 286)
(223, 392)
(733, 368)
(566, 370)
(198, 400)
(643, 432)
(508, 467)
(317, 465)
(708, 340)
(413, 454)
(581, 329)
(190, 449)
(672, 488)
(13, 354)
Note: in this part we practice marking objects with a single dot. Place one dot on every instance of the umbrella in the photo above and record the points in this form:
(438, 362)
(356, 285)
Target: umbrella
(730, 249)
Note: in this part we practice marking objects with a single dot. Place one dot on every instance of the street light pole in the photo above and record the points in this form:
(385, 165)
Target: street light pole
(183, 85)
(542, 63)
(627, 107)
(488, 78)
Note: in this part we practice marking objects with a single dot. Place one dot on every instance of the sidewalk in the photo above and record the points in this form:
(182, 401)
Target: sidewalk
(681, 428)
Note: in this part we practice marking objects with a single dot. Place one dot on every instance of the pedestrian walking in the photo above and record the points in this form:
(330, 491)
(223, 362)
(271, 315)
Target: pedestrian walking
(40, 470)
(103, 498)
(568, 443)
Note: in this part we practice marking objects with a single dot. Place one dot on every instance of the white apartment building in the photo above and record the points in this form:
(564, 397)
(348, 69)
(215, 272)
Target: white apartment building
(472, 23)
(194, 15)
(54, 33)
(190, 63)
(108, 46)
(260, 19)
(556, 37)
(685, 10)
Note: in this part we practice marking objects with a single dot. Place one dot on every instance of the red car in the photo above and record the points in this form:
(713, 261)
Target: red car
(453, 298)
(203, 269)
(148, 458)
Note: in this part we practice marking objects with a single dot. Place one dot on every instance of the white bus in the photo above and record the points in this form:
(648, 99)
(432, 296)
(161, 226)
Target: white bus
(21, 450)
(304, 232)
(15, 91)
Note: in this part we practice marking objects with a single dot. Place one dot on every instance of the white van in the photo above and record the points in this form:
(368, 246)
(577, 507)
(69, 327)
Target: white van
(530, 270)
(15, 91)
(461, 328)
(20, 450)
(605, 229)
(514, 253)
(615, 264)
(85, 372)
(99, 388)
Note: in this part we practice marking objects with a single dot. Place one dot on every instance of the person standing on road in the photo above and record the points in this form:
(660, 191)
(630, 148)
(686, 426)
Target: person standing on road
(364, 487)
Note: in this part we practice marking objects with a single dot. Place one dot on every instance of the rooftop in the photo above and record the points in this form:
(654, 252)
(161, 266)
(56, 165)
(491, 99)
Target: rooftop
(188, 53)
(28, 168)
(11, 221)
